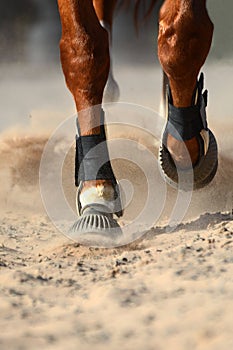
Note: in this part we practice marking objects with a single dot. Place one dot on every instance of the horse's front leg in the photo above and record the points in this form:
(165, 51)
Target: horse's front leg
(84, 48)
(185, 35)
(84, 53)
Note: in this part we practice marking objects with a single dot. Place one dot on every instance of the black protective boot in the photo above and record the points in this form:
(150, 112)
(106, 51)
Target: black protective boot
(184, 124)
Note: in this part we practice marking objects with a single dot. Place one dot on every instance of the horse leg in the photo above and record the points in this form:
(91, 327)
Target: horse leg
(85, 60)
(185, 35)
(84, 51)
(105, 10)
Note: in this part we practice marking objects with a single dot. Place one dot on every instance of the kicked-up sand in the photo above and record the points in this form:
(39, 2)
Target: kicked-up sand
(165, 290)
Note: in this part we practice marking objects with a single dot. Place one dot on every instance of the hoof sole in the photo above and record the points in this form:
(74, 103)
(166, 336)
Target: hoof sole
(96, 229)
(202, 174)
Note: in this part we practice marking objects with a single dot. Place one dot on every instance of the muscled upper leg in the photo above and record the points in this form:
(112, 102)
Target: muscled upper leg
(185, 35)
(84, 50)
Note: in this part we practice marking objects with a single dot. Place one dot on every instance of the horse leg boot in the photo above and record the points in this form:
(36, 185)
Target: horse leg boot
(184, 40)
(105, 11)
(84, 50)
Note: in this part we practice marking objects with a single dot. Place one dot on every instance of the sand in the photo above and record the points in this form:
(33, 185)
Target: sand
(166, 290)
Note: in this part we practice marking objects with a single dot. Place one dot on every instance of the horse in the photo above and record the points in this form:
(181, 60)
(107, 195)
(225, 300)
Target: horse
(184, 40)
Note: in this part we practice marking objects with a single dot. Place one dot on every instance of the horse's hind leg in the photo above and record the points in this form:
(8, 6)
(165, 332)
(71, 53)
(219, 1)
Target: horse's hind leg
(84, 48)
(185, 35)
(105, 12)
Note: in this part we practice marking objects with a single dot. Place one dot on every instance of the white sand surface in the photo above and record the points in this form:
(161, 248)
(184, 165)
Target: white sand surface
(167, 290)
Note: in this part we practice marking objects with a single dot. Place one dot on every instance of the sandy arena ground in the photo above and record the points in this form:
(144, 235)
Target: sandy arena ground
(165, 291)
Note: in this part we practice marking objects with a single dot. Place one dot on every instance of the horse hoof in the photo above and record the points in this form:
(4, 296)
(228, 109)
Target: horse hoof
(95, 228)
(202, 174)
(184, 124)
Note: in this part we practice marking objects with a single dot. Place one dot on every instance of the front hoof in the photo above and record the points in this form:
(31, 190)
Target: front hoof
(201, 174)
(95, 228)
